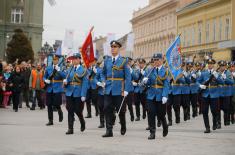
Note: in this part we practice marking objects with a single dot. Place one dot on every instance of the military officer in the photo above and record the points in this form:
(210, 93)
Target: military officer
(157, 95)
(76, 84)
(208, 82)
(100, 101)
(53, 78)
(116, 80)
(139, 93)
(232, 93)
(225, 92)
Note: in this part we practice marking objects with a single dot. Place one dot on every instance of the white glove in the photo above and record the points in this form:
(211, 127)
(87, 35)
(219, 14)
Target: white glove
(233, 74)
(185, 73)
(164, 100)
(145, 80)
(223, 76)
(47, 81)
(57, 68)
(83, 99)
(194, 76)
(202, 86)
(215, 74)
(125, 93)
(99, 84)
(65, 81)
(131, 70)
(142, 72)
(94, 70)
(134, 83)
(199, 73)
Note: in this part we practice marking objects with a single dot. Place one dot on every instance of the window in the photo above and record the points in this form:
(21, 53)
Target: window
(220, 28)
(227, 28)
(17, 15)
(214, 30)
(193, 34)
(200, 32)
(207, 31)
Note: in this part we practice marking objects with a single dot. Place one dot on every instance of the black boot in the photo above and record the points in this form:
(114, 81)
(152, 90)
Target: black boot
(165, 128)
(152, 134)
(207, 130)
(49, 123)
(109, 133)
(232, 118)
(83, 124)
(69, 132)
(170, 123)
(123, 130)
(159, 123)
(101, 121)
(60, 113)
(32, 108)
(137, 119)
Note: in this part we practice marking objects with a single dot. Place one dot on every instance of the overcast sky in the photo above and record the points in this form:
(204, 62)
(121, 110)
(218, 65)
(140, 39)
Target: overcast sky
(107, 16)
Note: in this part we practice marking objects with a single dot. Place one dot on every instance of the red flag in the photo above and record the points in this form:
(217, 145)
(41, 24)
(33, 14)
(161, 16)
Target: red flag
(88, 51)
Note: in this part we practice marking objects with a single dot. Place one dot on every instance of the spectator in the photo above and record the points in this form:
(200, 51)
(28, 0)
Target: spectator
(17, 83)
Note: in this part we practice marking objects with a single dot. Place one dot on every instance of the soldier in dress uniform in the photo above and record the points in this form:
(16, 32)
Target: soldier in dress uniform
(232, 93)
(157, 95)
(97, 79)
(76, 84)
(194, 87)
(225, 92)
(53, 78)
(209, 82)
(200, 99)
(139, 93)
(116, 79)
(129, 98)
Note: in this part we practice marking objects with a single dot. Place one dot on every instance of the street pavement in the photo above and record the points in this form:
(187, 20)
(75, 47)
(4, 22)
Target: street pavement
(25, 133)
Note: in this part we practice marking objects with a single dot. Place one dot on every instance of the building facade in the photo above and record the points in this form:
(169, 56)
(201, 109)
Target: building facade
(207, 28)
(154, 26)
(24, 14)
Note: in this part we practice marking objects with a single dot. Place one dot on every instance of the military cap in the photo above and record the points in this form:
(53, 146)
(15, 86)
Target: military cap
(197, 64)
(211, 61)
(114, 42)
(56, 57)
(141, 60)
(222, 63)
(190, 64)
(77, 55)
(157, 56)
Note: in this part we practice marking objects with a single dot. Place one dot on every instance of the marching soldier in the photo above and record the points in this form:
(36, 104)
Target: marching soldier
(139, 93)
(200, 99)
(157, 95)
(92, 94)
(76, 84)
(186, 91)
(209, 82)
(100, 101)
(225, 93)
(53, 78)
(232, 93)
(116, 79)
(129, 98)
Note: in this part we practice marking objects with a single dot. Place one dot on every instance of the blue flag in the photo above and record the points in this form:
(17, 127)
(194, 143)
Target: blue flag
(58, 51)
(173, 57)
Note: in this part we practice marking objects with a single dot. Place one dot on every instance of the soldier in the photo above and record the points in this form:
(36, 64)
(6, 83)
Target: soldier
(116, 79)
(209, 82)
(185, 102)
(97, 80)
(53, 78)
(225, 93)
(157, 95)
(76, 83)
(232, 93)
(129, 98)
(200, 99)
(92, 93)
(139, 93)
